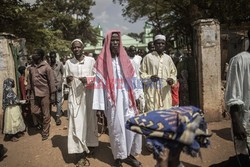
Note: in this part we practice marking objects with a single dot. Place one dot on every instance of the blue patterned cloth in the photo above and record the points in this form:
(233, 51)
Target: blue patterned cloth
(183, 127)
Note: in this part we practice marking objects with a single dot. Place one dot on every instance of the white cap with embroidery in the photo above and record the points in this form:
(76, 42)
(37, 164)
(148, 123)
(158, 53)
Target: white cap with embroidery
(160, 37)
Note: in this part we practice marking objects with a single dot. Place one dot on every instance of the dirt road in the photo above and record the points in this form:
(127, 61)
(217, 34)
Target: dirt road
(31, 151)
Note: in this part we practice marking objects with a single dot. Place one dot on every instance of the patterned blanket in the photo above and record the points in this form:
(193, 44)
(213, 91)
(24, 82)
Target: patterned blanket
(176, 127)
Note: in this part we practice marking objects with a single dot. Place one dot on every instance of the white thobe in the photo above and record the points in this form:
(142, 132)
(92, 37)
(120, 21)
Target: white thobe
(157, 94)
(123, 142)
(237, 93)
(82, 131)
(137, 59)
(136, 62)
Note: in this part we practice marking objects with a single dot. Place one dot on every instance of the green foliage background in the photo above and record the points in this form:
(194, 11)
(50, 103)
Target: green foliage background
(48, 24)
(174, 18)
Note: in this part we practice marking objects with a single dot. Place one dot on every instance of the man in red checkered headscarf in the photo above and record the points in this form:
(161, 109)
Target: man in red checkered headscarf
(115, 94)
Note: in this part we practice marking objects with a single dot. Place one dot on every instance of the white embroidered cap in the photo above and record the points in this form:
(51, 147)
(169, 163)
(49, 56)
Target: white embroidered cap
(76, 40)
(160, 37)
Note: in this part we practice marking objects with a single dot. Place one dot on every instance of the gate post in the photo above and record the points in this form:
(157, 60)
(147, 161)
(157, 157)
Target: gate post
(208, 53)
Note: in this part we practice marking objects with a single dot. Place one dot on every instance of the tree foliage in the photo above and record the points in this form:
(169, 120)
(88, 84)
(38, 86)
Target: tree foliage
(48, 24)
(174, 18)
(138, 37)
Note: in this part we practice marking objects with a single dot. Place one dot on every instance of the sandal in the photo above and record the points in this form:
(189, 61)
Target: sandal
(118, 163)
(14, 139)
(91, 151)
(132, 157)
(39, 127)
(83, 162)
(45, 137)
(132, 161)
(20, 134)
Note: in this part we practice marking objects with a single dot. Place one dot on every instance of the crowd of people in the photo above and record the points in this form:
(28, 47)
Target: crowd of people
(121, 83)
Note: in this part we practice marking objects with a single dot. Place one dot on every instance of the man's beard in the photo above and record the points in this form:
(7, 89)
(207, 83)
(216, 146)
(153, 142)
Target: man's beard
(114, 51)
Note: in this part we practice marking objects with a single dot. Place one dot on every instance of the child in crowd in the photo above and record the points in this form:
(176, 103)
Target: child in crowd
(13, 120)
(175, 94)
(26, 113)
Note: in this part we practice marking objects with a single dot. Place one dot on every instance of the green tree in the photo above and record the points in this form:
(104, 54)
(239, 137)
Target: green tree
(174, 18)
(138, 37)
(49, 24)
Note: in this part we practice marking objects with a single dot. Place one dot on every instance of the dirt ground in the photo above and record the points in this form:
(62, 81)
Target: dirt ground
(31, 151)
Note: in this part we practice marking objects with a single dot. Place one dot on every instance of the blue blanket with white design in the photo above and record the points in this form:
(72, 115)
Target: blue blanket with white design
(176, 127)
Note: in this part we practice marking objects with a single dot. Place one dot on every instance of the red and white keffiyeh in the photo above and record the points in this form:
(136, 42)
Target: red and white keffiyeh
(104, 70)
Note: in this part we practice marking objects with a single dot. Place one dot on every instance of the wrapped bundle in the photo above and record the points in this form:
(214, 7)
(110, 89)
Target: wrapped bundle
(178, 127)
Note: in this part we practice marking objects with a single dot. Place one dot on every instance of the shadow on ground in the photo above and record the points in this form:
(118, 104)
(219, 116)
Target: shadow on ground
(33, 131)
(3, 157)
(233, 162)
(189, 165)
(224, 133)
(102, 153)
(61, 142)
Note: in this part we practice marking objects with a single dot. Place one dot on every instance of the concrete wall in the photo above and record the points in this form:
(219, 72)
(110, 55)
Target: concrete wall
(208, 52)
(7, 68)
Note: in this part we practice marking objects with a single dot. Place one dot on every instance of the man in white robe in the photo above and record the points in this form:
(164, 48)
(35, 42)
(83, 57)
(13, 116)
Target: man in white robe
(237, 97)
(136, 58)
(158, 73)
(136, 62)
(82, 119)
(118, 100)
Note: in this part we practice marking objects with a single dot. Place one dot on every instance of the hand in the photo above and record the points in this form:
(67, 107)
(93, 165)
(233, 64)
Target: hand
(18, 102)
(69, 79)
(53, 98)
(83, 80)
(59, 88)
(137, 103)
(170, 81)
(22, 102)
(163, 158)
(28, 94)
(28, 97)
(238, 129)
(164, 154)
(154, 78)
